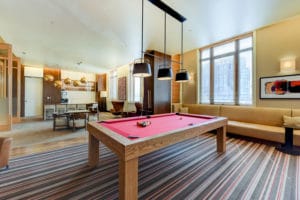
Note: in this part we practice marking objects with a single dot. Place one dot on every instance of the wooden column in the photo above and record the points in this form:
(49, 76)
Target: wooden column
(16, 90)
(6, 84)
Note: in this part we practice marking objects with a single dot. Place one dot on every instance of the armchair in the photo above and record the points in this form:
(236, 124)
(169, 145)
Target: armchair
(60, 120)
(5, 145)
(78, 120)
(117, 107)
(139, 108)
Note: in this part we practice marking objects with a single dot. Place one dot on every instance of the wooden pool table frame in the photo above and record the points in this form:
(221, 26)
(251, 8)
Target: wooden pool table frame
(129, 151)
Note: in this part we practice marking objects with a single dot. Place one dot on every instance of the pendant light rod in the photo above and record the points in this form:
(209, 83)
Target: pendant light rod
(168, 10)
(142, 48)
(181, 44)
(141, 68)
(165, 38)
(150, 54)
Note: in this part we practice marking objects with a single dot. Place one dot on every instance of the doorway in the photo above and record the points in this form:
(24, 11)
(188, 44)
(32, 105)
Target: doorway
(33, 97)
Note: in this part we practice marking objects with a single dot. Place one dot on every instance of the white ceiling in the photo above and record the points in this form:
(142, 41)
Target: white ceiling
(105, 34)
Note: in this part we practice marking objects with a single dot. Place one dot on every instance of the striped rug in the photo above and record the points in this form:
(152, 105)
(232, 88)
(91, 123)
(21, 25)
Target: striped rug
(187, 170)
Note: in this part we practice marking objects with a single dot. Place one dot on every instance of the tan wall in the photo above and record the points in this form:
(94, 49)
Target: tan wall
(175, 86)
(273, 43)
(189, 89)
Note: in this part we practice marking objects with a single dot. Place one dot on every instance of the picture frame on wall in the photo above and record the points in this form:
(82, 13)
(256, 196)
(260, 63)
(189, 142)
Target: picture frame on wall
(280, 87)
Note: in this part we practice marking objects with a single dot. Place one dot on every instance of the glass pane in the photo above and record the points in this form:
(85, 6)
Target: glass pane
(205, 54)
(137, 89)
(245, 43)
(245, 77)
(205, 82)
(224, 80)
(223, 49)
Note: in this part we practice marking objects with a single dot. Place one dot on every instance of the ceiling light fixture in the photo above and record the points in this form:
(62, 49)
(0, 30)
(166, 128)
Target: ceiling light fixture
(182, 75)
(141, 67)
(164, 73)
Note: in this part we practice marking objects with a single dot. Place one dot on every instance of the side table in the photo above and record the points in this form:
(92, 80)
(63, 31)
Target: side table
(288, 147)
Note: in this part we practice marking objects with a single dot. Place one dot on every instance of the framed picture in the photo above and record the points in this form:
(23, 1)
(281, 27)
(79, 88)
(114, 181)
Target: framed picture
(122, 88)
(280, 87)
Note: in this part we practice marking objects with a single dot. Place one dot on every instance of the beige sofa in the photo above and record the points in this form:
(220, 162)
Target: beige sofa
(258, 122)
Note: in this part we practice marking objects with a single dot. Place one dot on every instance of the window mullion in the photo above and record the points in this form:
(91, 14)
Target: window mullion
(211, 95)
(236, 71)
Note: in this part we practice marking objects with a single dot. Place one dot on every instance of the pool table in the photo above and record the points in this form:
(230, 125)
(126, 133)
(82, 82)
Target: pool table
(133, 137)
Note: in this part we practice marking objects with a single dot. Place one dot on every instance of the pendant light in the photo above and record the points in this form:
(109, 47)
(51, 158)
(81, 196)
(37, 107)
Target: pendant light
(141, 67)
(182, 75)
(164, 71)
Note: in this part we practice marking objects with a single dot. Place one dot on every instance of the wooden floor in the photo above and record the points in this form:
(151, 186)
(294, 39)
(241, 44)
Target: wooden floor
(35, 136)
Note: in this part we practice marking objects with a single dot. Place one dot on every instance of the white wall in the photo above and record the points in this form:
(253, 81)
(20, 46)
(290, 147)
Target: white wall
(77, 75)
(79, 96)
(33, 71)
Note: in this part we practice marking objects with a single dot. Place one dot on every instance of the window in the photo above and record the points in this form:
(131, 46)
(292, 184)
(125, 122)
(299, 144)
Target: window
(113, 83)
(135, 87)
(226, 73)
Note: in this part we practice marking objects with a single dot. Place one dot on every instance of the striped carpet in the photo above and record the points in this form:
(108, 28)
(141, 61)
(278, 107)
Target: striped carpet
(187, 170)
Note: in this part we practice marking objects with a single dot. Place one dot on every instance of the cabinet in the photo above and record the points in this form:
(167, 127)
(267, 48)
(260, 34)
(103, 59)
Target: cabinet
(157, 93)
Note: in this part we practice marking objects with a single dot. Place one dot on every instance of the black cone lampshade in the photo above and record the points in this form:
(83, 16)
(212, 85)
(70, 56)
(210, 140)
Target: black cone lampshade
(182, 76)
(141, 69)
(164, 74)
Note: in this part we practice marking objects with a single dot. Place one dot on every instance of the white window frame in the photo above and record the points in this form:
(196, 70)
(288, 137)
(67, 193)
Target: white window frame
(236, 54)
(135, 94)
(113, 85)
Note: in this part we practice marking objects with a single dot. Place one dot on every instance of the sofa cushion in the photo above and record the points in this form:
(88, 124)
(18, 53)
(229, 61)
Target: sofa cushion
(203, 109)
(293, 122)
(255, 115)
(295, 112)
(266, 132)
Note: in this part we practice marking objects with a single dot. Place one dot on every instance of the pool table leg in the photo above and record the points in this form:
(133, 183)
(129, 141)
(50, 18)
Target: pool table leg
(93, 151)
(128, 179)
(221, 139)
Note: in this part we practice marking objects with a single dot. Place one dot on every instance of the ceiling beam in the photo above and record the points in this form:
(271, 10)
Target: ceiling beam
(168, 10)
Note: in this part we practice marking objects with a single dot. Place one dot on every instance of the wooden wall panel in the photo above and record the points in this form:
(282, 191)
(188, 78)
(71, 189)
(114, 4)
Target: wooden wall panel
(22, 91)
(157, 93)
(175, 85)
(101, 82)
(51, 94)
(15, 91)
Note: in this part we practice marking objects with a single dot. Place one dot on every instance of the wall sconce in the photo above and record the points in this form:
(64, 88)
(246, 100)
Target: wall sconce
(57, 84)
(76, 83)
(103, 94)
(83, 80)
(49, 77)
(67, 81)
(288, 64)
